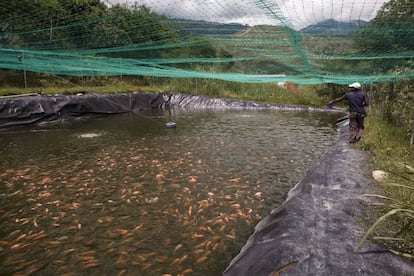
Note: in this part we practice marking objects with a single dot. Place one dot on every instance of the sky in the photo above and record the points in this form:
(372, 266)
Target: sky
(296, 14)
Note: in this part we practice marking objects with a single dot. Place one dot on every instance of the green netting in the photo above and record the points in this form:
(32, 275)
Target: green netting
(302, 41)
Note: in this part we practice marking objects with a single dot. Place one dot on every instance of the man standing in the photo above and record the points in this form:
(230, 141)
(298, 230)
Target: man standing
(356, 102)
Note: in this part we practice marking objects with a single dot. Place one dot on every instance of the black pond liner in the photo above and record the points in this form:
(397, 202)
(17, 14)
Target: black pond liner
(36, 108)
(314, 232)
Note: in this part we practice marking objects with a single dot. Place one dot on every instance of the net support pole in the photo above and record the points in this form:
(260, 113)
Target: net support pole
(24, 71)
(120, 67)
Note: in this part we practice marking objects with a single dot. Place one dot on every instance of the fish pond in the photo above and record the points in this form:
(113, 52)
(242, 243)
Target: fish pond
(125, 195)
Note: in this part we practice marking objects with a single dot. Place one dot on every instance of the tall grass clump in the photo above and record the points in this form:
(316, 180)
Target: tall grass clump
(392, 209)
(258, 92)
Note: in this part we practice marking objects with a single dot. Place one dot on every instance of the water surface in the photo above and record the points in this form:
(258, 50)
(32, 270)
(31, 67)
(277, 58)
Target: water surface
(124, 195)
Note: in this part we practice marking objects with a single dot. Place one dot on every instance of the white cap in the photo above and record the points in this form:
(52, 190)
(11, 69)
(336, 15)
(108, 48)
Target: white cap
(356, 85)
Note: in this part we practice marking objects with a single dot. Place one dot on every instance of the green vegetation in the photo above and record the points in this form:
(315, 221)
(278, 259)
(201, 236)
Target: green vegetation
(265, 92)
(391, 152)
(390, 129)
(94, 38)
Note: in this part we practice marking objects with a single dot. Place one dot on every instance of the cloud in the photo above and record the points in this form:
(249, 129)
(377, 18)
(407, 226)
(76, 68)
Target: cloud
(302, 12)
(293, 13)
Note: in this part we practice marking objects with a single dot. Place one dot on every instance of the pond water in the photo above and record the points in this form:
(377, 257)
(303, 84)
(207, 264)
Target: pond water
(124, 195)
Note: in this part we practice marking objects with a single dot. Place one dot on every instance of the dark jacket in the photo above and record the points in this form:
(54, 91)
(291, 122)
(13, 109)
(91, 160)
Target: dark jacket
(356, 101)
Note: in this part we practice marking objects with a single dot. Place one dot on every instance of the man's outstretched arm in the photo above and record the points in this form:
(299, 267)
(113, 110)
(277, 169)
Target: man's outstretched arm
(336, 100)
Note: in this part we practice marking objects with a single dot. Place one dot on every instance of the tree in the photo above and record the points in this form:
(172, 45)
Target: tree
(392, 29)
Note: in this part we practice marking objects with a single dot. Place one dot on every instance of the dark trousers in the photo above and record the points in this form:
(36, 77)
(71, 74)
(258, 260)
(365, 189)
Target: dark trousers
(356, 126)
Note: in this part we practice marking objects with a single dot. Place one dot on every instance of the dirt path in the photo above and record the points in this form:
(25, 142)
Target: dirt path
(316, 230)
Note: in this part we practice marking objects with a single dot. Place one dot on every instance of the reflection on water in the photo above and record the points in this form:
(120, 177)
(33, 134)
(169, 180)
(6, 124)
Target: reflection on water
(124, 195)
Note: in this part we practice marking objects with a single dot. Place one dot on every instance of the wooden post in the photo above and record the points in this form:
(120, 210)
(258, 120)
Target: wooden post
(24, 71)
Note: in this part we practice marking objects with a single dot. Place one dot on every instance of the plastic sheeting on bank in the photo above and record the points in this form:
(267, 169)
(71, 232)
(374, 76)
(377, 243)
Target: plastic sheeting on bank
(35, 108)
(317, 228)
(30, 109)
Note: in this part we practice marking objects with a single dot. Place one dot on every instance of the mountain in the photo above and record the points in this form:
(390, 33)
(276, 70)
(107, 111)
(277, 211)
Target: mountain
(333, 27)
(201, 28)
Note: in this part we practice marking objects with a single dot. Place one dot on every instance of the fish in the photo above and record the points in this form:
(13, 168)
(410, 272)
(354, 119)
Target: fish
(22, 236)
(187, 271)
(215, 246)
(89, 135)
(183, 258)
(122, 231)
(70, 250)
(145, 267)
(178, 247)
(142, 258)
(176, 261)
(201, 260)
(161, 259)
(122, 272)
(54, 243)
(91, 263)
(20, 246)
(284, 268)
(198, 251)
(197, 236)
(58, 262)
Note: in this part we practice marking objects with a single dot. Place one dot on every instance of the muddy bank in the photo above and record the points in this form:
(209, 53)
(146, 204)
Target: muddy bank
(316, 230)
(36, 108)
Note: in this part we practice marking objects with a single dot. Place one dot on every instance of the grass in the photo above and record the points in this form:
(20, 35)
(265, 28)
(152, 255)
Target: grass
(392, 215)
(266, 92)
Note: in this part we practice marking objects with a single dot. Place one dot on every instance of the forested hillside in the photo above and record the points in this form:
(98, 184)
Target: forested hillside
(87, 37)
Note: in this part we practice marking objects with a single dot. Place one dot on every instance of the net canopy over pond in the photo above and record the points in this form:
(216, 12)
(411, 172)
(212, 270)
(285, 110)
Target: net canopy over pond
(301, 41)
